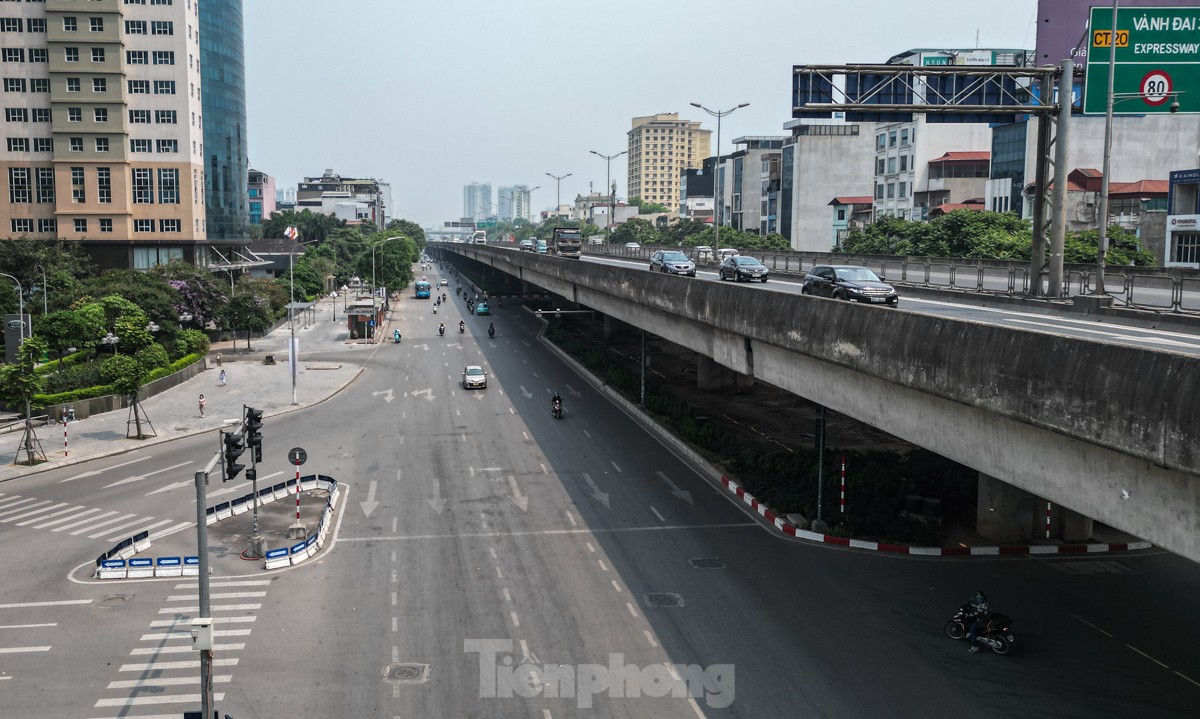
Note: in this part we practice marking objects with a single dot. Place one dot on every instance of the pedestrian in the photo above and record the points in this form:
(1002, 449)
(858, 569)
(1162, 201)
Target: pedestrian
(222, 377)
(202, 401)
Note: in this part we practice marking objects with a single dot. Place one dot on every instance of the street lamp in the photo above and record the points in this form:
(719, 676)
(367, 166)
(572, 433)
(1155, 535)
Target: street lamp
(20, 303)
(185, 318)
(293, 360)
(377, 244)
(558, 190)
(45, 297)
(608, 182)
(718, 197)
(110, 340)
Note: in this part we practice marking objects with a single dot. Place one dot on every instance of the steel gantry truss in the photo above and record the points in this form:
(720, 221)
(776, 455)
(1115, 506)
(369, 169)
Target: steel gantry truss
(892, 93)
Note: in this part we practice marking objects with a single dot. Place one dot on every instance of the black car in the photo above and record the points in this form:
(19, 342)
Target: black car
(672, 261)
(849, 282)
(742, 267)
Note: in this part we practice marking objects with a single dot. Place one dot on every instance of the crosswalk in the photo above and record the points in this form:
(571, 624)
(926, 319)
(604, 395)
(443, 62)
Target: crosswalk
(21, 636)
(163, 671)
(80, 520)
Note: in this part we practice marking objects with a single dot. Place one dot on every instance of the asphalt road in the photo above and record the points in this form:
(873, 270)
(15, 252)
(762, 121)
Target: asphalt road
(555, 545)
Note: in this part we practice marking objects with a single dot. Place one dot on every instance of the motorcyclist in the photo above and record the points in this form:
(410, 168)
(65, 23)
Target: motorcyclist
(491, 330)
(978, 612)
(556, 401)
(441, 328)
(462, 326)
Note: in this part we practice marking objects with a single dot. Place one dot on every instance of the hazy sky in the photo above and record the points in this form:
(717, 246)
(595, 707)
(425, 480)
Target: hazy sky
(432, 94)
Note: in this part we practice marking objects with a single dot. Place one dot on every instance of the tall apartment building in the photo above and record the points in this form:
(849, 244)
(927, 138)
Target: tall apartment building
(661, 147)
(512, 203)
(103, 131)
(477, 200)
(222, 63)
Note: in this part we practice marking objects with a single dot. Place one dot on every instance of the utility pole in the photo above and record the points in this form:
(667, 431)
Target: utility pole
(558, 190)
(717, 194)
(612, 200)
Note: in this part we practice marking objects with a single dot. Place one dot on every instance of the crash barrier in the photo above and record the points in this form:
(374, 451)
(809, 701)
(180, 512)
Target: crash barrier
(282, 490)
(120, 562)
(300, 551)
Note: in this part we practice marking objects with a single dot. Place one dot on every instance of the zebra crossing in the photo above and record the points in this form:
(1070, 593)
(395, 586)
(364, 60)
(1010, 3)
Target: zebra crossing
(163, 671)
(22, 636)
(81, 520)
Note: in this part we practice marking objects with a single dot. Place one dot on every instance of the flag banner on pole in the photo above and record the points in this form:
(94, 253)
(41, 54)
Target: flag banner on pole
(291, 232)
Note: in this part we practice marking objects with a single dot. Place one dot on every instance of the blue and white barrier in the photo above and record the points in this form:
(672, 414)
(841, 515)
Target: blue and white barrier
(282, 490)
(301, 551)
(120, 563)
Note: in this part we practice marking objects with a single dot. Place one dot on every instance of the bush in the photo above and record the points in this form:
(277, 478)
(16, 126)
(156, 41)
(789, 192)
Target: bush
(194, 341)
(72, 377)
(74, 358)
(174, 367)
(45, 400)
(153, 357)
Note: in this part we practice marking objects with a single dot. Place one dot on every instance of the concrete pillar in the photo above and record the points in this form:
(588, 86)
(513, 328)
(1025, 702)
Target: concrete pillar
(709, 374)
(1004, 513)
(1075, 526)
(612, 327)
(743, 380)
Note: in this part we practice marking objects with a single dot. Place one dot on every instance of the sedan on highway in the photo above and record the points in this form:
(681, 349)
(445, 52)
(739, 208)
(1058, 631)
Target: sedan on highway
(672, 262)
(474, 377)
(742, 267)
(849, 282)
(481, 308)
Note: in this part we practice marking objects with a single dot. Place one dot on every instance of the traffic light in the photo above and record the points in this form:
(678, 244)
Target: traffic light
(234, 446)
(253, 432)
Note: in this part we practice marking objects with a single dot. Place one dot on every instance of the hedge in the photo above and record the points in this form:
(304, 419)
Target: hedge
(46, 400)
(71, 359)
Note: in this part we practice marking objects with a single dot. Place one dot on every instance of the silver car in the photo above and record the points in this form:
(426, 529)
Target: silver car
(672, 262)
(474, 377)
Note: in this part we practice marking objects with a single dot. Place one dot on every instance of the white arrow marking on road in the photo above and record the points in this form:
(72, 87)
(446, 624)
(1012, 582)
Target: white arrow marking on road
(420, 347)
(174, 485)
(94, 472)
(601, 497)
(574, 392)
(518, 499)
(427, 392)
(492, 344)
(388, 395)
(526, 343)
(455, 345)
(439, 502)
(135, 478)
(528, 394)
(682, 494)
(370, 505)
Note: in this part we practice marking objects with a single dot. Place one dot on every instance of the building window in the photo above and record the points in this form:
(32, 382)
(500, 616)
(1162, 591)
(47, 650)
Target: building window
(880, 142)
(16, 114)
(75, 144)
(879, 192)
(97, 54)
(14, 84)
(71, 54)
(139, 146)
(70, 23)
(139, 117)
(162, 27)
(137, 57)
(12, 24)
(77, 193)
(41, 114)
(168, 186)
(165, 117)
(99, 84)
(143, 225)
(164, 57)
(39, 84)
(904, 137)
(74, 114)
(81, 225)
(891, 165)
(139, 87)
(105, 224)
(878, 165)
(892, 138)
(43, 144)
(169, 225)
(21, 226)
(18, 144)
(104, 185)
(160, 2)
(96, 24)
(841, 214)
(18, 185)
(101, 144)
(45, 185)
(891, 190)
(13, 54)
(904, 163)
(135, 27)
(167, 145)
(36, 24)
(903, 190)
(164, 87)
(48, 225)
(72, 84)
(143, 190)
(39, 54)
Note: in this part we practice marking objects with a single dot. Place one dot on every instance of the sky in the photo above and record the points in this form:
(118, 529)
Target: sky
(430, 95)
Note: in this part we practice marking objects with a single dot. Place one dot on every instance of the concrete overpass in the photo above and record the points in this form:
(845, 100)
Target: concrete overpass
(1105, 430)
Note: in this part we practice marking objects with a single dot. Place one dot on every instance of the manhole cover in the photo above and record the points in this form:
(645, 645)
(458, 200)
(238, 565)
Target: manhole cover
(707, 563)
(669, 600)
(406, 673)
(117, 600)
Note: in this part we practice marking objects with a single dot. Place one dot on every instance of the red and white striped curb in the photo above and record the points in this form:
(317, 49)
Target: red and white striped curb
(792, 530)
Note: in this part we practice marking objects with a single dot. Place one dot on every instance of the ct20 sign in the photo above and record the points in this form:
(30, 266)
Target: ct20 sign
(1157, 60)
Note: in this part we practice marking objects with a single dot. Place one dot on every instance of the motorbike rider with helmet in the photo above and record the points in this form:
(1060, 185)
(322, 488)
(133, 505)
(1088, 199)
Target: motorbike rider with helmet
(556, 403)
(979, 611)
(441, 328)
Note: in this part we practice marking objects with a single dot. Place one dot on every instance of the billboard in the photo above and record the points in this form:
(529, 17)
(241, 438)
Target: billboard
(1062, 26)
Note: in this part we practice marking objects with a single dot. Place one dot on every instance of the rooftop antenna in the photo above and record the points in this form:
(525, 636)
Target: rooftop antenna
(977, 38)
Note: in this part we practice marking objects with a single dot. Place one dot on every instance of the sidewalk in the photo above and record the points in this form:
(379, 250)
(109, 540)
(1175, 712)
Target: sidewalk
(174, 412)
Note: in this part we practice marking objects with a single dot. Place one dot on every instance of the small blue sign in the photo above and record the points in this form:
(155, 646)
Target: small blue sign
(113, 563)
(371, 323)
(191, 561)
(168, 561)
(297, 548)
(276, 553)
(141, 562)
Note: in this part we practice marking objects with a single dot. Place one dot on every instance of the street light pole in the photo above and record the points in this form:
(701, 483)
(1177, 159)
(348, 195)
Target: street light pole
(45, 297)
(612, 200)
(558, 190)
(20, 303)
(293, 360)
(1102, 240)
(718, 197)
(377, 244)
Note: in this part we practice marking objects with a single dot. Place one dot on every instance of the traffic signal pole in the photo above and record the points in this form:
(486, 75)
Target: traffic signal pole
(203, 617)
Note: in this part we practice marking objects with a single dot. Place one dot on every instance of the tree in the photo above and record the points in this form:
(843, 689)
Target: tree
(200, 294)
(82, 327)
(19, 382)
(265, 290)
(147, 292)
(636, 230)
(681, 232)
(64, 264)
(127, 375)
(646, 208)
(311, 225)
(248, 313)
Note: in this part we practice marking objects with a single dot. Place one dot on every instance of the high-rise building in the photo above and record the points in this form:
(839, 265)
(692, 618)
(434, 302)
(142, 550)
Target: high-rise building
(222, 62)
(477, 200)
(512, 203)
(661, 147)
(352, 199)
(260, 191)
(103, 124)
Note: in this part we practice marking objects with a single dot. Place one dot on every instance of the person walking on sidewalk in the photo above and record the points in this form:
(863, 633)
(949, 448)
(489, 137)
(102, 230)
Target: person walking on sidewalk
(201, 402)
(222, 377)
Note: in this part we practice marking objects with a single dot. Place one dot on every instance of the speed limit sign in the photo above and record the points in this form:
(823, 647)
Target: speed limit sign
(1156, 87)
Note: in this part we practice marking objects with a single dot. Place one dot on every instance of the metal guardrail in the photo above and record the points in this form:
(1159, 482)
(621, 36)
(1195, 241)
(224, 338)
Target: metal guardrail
(1158, 289)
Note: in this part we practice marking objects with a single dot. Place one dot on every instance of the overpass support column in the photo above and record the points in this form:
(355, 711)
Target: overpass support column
(612, 327)
(1075, 526)
(743, 380)
(709, 374)
(1004, 513)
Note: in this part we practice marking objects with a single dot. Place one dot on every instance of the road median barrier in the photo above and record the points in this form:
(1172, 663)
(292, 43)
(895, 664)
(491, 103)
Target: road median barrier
(300, 551)
(120, 562)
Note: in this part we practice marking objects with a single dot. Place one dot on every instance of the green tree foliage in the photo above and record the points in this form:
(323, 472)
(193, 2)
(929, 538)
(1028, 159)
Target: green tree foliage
(63, 262)
(148, 292)
(312, 225)
(406, 227)
(246, 312)
(393, 260)
(200, 293)
(636, 230)
(131, 328)
(19, 381)
(1124, 248)
(82, 327)
(263, 290)
(736, 238)
(678, 234)
(646, 208)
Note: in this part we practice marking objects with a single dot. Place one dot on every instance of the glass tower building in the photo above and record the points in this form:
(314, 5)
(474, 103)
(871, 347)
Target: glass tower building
(226, 164)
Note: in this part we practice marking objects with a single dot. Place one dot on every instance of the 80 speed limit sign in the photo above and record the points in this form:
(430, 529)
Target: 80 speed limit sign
(1156, 87)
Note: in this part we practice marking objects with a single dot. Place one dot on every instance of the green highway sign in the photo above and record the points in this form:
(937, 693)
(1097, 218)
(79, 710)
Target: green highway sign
(485, 225)
(1157, 60)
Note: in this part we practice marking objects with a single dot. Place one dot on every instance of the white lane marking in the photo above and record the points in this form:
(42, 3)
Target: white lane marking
(546, 714)
(650, 637)
(1047, 318)
(105, 523)
(94, 472)
(395, 523)
(182, 649)
(552, 532)
(1093, 626)
(30, 605)
(187, 634)
(224, 595)
(696, 708)
(28, 626)
(1144, 654)
(1113, 335)
(395, 598)
(511, 410)
(139, 477)
(516, 621)
(507, 596)
(587, 434)
(617, 587)
(39, 511)
(543, 468)
(39, 505)
(23, 650)
(143, 701)
(172, 529)
(499, 573)
(164, 682)
(187, 622)
(656, 514)
(589, 546)
(27, 500)
(89, 520)
(492, 550)
(632, 611)
(571, 519)
(525, 435)
(63, 519)
(48, 516)
(1186, 677)
(191, 611)
(192, 664)
(218, 582)
(121, 527)
(395, 576)
(614, 464)
(603, 566)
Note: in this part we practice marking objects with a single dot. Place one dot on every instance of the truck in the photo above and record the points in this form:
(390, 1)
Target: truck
(479, 237)
(567, 242)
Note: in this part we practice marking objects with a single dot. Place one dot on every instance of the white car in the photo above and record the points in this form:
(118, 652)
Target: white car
(725, 253)
(633, 246)
(474, 377)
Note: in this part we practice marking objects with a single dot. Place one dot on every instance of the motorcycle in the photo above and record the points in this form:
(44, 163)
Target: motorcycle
(491, 331)
(396, 336)
(557, 409)
(462, 328)
(993, 632)
(442, 331)
(435, 309)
